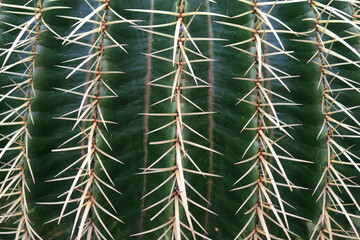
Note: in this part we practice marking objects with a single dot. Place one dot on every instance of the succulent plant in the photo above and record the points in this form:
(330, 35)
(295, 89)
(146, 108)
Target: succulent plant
(179, 119)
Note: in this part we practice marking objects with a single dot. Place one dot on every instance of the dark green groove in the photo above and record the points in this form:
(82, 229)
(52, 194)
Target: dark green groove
(304, 91)
(47, 131)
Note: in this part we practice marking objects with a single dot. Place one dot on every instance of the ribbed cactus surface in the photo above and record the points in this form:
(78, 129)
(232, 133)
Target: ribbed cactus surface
(179, 119)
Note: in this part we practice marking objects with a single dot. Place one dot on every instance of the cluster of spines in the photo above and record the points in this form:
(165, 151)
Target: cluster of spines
(335, 185)
(90, 122)
(182, 58)
(269, 207)
(18, 66)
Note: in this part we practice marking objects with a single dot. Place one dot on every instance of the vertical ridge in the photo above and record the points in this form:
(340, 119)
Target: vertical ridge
(211, 119)
(146, 118)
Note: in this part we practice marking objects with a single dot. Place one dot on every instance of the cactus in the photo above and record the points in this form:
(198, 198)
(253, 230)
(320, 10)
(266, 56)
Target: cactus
(179, 119)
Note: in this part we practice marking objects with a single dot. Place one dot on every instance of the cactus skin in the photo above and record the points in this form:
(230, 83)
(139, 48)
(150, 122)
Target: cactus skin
(271, 89)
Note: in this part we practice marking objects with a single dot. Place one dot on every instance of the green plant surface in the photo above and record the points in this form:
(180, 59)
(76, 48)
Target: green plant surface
(179, 119)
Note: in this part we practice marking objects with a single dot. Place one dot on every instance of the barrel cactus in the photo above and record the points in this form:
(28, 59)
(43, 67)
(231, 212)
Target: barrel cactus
(179, 119)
